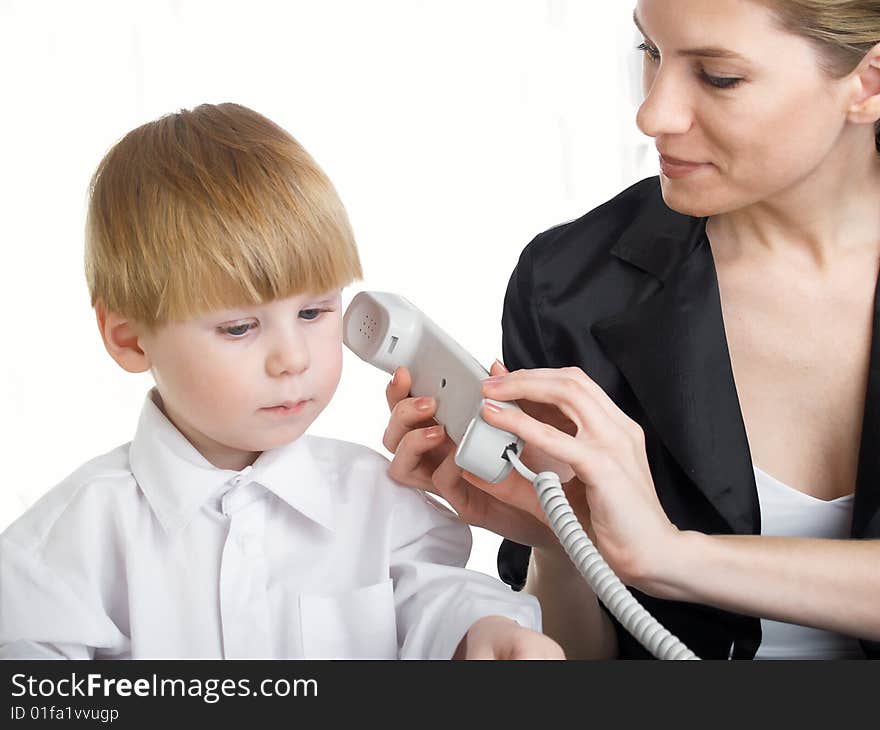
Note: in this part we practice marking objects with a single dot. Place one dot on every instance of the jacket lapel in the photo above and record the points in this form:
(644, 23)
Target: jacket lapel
(672, 350)
(866, 507)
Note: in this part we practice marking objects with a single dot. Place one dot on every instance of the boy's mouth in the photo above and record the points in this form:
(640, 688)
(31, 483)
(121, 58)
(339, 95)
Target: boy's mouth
(287, 408)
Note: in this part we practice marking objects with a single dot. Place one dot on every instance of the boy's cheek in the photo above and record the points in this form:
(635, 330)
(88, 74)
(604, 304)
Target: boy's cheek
(194, 379)
(331, 365)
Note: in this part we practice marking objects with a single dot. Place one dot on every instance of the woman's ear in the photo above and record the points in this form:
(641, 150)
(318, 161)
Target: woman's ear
(120, 337)
(865, 106)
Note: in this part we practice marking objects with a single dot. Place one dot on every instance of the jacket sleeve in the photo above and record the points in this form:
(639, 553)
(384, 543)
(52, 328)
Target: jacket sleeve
(522, 344)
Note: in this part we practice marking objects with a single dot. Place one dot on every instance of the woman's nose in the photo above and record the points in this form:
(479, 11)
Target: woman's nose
(666, 108)
(289, 356)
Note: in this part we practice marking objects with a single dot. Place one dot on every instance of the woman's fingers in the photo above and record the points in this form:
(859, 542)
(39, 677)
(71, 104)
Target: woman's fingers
(406, 415)
(417, 455)
(398, 388)
(532, 456)
(569, 389)
(498, 368)
(581, 455)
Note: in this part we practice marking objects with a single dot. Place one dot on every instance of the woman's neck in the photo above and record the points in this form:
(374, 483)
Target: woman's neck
(835, 210)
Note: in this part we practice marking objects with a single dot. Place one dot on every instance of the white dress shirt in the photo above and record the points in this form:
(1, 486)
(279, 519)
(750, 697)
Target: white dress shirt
(150, 551)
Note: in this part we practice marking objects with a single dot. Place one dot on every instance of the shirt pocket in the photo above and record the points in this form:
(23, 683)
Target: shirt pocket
(358, 624)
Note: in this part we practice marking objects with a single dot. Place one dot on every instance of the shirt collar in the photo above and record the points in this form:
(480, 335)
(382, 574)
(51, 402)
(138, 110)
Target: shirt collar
(177, 480)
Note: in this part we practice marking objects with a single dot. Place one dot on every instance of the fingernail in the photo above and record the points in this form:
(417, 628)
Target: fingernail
(434, 432)
(394, 378)
(424, 404)
(501, 365)
(492, 407)
(494, 380)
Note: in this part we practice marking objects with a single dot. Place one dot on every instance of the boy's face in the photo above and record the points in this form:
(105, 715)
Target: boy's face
(240, 381)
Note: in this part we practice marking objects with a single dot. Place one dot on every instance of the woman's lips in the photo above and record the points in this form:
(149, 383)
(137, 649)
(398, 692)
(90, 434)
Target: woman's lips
(287, 408)
(674, 168)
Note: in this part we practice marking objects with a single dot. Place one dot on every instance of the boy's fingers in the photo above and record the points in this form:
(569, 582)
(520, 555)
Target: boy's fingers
(398, 388)
(528, 644)
(481, 651)
(406, 415)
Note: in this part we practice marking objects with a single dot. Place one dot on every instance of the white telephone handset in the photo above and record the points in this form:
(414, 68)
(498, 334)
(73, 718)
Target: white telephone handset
(387, 331)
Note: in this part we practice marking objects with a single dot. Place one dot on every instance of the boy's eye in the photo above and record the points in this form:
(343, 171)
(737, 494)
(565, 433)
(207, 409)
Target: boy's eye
(237, 330)
(310, 314)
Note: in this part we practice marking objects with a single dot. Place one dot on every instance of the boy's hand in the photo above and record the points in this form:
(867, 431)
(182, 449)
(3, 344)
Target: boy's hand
(497, 637)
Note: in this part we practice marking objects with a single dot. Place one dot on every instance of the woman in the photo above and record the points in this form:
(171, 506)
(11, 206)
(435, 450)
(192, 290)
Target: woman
(708, 348)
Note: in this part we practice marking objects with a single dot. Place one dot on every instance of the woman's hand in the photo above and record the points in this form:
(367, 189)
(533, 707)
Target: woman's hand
(424, 457)
(606, 450)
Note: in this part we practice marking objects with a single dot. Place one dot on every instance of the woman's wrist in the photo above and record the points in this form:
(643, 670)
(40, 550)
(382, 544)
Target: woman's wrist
(670, 574)
(674, 567)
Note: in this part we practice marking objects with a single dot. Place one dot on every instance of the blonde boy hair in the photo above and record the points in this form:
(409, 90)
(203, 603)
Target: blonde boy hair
(210, 208)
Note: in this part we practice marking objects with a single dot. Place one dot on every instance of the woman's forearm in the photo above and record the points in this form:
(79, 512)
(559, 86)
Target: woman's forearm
(570, 609)
(829, 584)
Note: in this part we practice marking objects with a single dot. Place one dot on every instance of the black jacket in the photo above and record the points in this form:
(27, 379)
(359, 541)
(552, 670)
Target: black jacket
(629, 293)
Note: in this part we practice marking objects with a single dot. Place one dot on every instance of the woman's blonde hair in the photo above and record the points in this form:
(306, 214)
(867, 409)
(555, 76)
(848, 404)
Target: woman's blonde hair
(209, 208)
(843, 31)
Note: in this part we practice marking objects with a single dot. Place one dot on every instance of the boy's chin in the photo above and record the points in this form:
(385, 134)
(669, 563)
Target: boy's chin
(281, 437)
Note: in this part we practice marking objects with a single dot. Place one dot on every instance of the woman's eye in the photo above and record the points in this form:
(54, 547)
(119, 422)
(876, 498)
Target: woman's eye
(238, 330)
(650, 50)
(720, 82)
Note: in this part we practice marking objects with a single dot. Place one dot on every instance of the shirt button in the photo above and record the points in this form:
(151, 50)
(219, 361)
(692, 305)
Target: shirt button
(239, 478)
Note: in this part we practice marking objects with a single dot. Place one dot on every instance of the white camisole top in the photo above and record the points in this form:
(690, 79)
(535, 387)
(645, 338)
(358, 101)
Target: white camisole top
(788, 512)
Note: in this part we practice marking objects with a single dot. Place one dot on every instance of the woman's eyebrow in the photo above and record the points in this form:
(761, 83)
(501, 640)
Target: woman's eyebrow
(704, 51)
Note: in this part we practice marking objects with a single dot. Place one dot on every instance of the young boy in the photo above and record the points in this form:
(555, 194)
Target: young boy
(215, 254)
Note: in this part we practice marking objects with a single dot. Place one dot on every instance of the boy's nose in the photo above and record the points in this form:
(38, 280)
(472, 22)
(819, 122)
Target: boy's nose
(289, 357)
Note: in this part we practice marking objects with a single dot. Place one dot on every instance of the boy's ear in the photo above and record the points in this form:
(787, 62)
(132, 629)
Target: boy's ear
(120, 337)
(865, 108)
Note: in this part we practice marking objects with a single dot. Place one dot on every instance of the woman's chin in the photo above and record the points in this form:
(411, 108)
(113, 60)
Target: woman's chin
(692, 200)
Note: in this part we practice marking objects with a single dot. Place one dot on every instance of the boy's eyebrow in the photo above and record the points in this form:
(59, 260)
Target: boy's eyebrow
(326, 298)
(703, 52)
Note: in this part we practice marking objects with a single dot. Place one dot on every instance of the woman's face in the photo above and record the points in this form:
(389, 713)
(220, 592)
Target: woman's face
(740, 110)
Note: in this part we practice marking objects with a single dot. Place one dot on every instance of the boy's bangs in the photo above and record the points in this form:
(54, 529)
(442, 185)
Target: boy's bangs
(254, 272)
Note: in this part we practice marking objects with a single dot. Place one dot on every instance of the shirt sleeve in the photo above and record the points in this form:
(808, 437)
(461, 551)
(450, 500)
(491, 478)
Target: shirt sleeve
(42, 616)
(436, 599)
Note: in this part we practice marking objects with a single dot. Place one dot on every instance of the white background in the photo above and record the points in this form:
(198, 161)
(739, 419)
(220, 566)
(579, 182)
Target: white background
(454, 130)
